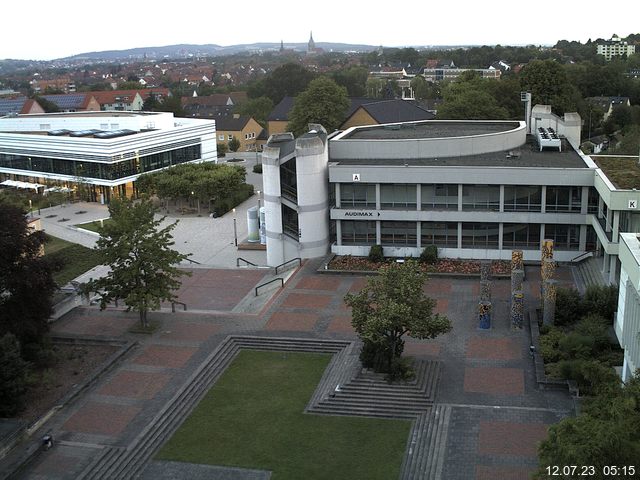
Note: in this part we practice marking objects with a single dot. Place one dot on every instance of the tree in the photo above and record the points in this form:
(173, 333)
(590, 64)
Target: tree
(151, 104)
(47, 105)
(287, 80)
(26, 281)
(390, 306)
(354, 79)
(324, 102)
(142, 264)
(469, 99)
(234, 144)
(606, 433)
(258, 108)
(13, 376)
(547, 81)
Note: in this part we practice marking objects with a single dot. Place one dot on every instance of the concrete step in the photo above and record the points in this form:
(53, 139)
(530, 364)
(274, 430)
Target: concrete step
(365, 412)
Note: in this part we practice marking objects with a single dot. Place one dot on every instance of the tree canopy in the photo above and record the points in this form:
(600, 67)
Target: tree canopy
(287, 80)
(547, 81)
(324, 102)
(391, 305)
(26, 281)
(143, 266)
(258, 108)
(469, 98)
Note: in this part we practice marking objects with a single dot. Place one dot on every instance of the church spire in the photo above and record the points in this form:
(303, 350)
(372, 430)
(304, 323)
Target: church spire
(311, 46)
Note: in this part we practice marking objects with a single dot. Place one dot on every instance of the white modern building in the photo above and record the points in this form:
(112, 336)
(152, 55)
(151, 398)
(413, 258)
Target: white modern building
(475, 189)
(627, 322)
(106, 151)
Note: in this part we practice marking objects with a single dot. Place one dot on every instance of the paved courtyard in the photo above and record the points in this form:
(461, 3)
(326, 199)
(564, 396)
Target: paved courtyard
(498, 415)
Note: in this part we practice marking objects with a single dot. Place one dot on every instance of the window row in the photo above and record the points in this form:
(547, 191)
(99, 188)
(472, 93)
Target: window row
(104, 171)
(517, 198)
(445, 234)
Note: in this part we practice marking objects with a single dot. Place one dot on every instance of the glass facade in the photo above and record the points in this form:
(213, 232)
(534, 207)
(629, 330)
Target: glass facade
(290, 222)
(356, 232)
(480, 235)
(443, 234)
(357, 195)
(522, 198)
(439, 197)
(398, 234)
(289, 180)
(521, 235)
(563, 199)
(99, 170)
(565, 237)
(481, 197)
(398, 196)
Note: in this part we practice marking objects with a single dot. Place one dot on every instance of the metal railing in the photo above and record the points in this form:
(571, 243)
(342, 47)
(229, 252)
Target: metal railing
(173, 306)
(582, 256)
(192, 261)
(297, 259)
(245, 261)
(270, 281)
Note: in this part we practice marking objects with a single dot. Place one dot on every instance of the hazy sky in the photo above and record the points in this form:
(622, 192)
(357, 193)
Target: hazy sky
(45, 30)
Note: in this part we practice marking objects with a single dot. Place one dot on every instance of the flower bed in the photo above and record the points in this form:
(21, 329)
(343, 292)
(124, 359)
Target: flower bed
(443, 265)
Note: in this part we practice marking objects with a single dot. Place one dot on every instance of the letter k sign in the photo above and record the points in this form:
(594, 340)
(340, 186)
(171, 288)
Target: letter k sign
(633, 204)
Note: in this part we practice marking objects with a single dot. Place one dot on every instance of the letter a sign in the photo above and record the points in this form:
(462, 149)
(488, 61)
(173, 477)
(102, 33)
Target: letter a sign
(356, 177)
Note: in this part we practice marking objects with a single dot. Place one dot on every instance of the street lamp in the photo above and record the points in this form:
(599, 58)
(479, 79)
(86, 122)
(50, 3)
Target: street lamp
(30, 208)
(258, 202)
(235, 228)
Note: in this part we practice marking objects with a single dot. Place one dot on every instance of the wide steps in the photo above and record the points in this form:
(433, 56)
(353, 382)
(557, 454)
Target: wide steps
(365, 412)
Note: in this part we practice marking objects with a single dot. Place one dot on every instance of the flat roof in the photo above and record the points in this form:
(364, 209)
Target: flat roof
(624, 172)
(101, 113)
(527, 156)
(430, 129)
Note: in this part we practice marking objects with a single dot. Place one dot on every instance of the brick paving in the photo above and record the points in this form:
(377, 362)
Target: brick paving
(141, 385)
(101, 418)
(165, 356)
(494, 380)
(487, 377)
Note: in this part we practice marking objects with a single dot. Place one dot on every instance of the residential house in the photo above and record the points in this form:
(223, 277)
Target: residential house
(615, 47)
(121, 100)
(74, 102)
(19, 106)
(210, 106)
(386, 111)
(607, 104)
(245, 129)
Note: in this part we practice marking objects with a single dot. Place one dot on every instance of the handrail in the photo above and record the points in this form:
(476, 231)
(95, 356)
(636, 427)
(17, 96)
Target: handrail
(584, 254)
(173, 306)
(289, 261)
(245, 261)
(270, 281)
(192, 261)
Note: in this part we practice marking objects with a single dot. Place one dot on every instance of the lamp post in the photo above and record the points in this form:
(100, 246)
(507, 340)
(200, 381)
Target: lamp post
(258, 202)
(30, 208)
(235, 228)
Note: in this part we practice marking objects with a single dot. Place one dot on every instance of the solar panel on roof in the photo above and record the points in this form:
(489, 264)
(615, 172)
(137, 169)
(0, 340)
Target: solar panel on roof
(66, 101)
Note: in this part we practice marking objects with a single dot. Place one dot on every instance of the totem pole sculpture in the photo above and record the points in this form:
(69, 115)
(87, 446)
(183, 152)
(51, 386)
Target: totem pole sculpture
(484, 306)
(548, 284)
(517, 294)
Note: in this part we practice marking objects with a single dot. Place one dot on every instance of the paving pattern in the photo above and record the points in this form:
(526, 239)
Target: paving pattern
(487, 414)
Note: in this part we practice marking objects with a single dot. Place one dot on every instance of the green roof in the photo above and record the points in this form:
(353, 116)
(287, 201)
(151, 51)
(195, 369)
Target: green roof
(624, 172)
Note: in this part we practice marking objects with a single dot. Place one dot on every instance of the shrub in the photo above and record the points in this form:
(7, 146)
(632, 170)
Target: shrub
(577, 346)
(375, 254)
(568, 306)
(429, 255)
(223, 205)
(590, 375)
(257, 168)
(550, 345)
(602, 300)
(222, 149)
(595, 327)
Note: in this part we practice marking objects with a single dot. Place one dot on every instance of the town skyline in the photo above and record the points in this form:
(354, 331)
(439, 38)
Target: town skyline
(492, 22)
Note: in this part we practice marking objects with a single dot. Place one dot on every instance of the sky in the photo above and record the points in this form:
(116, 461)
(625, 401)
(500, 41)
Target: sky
(42, 30)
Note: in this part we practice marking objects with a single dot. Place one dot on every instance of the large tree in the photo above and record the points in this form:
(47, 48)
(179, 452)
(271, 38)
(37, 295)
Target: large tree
(548, 83)
(26, 281)
(13, 376)
(606, 433)
(143, 266)
(287, 80)
(391, 305)
(324, 102)
(469, 98)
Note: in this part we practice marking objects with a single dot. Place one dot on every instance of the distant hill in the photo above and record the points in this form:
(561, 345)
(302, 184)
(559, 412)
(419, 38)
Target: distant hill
(185, 50)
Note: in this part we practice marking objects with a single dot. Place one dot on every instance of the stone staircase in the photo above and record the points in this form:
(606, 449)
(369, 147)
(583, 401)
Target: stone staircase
(369, 394)
(115, 463)
(587, 273)
(424, 458)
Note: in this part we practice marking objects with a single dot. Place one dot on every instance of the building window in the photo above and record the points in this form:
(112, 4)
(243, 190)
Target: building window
(289, 180)
(221, 137)
(290, 222)
(357, 195)
(521, 198)
(565, 237)
(398, 234)
(398, 196)
(564, 199)
(439, 197)
(594, 198)
(443, 234)
(480, 235)
(481, 197)
(521, 235)
(230, 137)
(355, 232)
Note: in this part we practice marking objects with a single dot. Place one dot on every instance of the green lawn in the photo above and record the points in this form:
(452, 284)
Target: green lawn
(253, 418)
(93, 226)
(75, 258)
